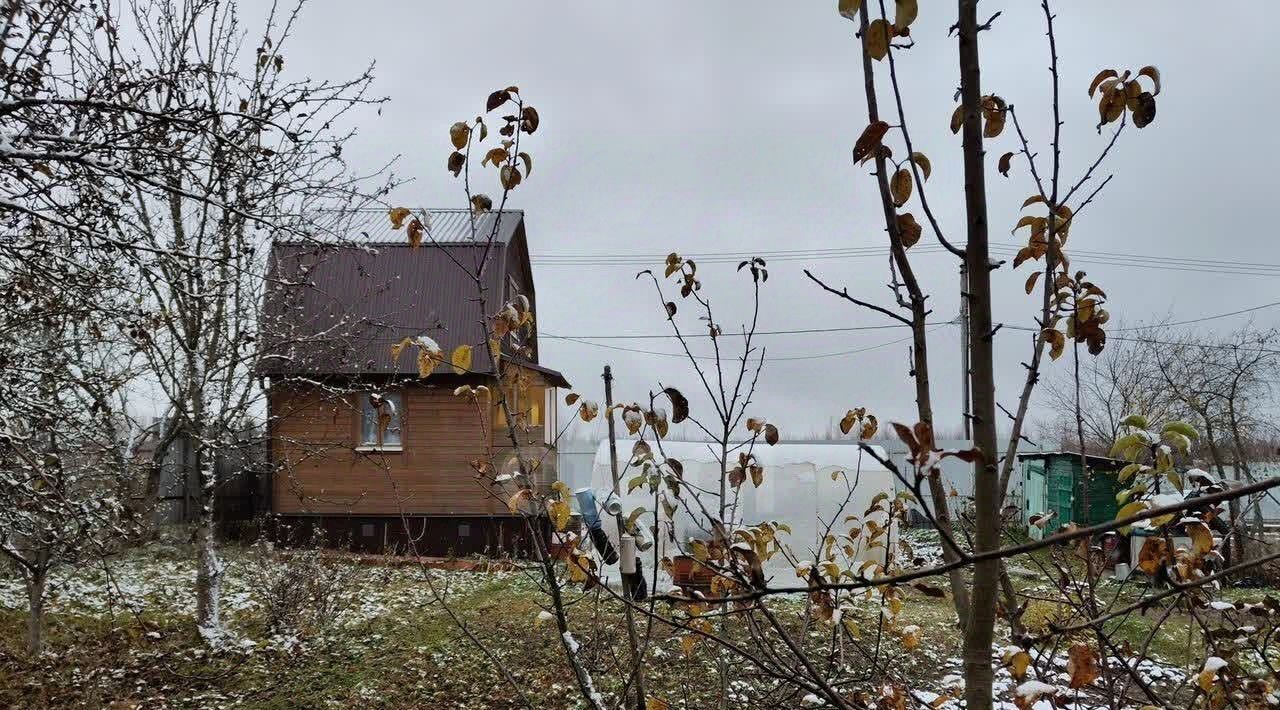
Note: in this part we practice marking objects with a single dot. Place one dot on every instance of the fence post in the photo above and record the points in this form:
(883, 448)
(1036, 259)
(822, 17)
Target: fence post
(632, 584)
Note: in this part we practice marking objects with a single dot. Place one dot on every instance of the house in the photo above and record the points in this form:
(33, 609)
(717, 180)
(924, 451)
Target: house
(361, 447)
(1054, 483)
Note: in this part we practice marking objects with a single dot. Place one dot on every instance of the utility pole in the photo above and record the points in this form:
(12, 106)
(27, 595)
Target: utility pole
(965, 398)
(627, 579)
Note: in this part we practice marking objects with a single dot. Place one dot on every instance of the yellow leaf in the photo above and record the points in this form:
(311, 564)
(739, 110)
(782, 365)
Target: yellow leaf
(911, 637)
(1026, 221)
(849, 9)
(879, 33)
(1153, 554)
(1057, 342)
(851, 626)
(1031, 281)
(687, 642)
(922, 161)
(850, 418)
(415, 233)
(865, 146)
(1129, 471)
(1201, 538)
(497, 156)
(1111, 106)
(1032, 200)
(398, 216)
(1006, 162)
(458, 134)
(957, 119)
(905, 13)
(1182, 428)
(1082, 665)
(994, 126)
(399, 348)
(426, 363)
(895, 606)
(652, 703)
(909, 230)
(559, 513)
(869, 427)
(1154, 74)
(461, 359)
(1102, 75)
(516, 499)
(900, 186)
(1018, 664)
(578, 566)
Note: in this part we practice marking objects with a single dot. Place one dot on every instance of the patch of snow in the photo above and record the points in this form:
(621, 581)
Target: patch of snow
(1033, 689)
(1213, 664)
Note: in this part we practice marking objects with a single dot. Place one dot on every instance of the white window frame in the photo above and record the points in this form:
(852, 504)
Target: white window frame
(396, 401)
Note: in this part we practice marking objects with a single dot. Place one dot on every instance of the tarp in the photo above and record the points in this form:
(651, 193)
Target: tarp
(798, 489)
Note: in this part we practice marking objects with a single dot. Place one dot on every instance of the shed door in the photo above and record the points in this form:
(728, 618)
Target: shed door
(1061, 485)
(1033, 489)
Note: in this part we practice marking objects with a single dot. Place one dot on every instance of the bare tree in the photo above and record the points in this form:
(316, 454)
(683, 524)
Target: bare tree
(66, 445)
(148, 130)
(1122, 380)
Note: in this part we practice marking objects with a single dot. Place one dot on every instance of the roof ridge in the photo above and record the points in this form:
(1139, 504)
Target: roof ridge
(436, 209)
(360, 244)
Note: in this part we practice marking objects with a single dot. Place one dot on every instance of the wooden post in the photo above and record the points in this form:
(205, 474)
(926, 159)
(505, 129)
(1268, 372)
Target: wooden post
(633, 638)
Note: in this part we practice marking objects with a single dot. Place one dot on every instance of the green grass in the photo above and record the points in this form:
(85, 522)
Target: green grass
(403, 651)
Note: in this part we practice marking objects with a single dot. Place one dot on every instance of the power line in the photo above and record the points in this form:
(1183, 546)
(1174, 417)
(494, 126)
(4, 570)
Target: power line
(785, 358)
(1204, 318)
(1165, 263)
(800, 331)
(1153, 341)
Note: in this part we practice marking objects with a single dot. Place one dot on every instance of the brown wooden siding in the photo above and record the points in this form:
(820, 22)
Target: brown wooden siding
(318, 469)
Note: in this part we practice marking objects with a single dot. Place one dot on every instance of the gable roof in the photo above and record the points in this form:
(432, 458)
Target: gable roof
(444, 226)
(336, 309)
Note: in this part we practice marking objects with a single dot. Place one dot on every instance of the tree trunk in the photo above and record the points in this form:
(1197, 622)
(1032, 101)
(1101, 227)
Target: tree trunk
(1242, 465)
(208, 566)
(980, 630)
(633, 639)
(1236, 549)
(919, 344)
(36, 581)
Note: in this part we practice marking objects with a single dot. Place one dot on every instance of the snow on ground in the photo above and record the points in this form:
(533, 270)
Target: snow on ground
(161, 580)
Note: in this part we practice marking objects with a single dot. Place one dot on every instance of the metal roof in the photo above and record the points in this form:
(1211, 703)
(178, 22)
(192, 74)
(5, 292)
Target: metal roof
(443, 226)
(337, 309)
(1092, 458)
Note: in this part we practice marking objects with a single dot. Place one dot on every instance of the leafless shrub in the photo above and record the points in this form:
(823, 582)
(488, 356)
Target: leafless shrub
(302, 591)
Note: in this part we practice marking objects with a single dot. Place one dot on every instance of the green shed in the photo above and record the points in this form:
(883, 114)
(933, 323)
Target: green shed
(1054, 481)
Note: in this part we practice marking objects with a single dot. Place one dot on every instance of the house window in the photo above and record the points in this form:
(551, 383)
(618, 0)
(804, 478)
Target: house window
(380, 425)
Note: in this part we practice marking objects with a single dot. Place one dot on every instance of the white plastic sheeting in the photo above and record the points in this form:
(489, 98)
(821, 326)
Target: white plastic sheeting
(797, 490)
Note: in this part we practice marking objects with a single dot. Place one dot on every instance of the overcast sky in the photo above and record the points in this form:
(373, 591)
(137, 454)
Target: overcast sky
(727, 126)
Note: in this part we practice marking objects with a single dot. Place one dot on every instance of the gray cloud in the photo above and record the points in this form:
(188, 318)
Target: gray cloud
(727, 126)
